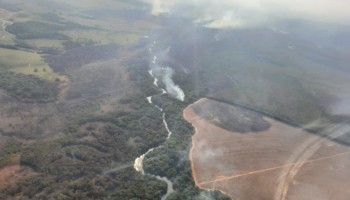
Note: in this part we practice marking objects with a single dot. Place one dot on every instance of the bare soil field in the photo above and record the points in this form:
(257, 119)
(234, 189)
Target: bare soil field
(14, 172)
(277, 163)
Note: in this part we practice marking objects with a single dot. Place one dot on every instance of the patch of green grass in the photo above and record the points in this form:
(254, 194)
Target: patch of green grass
(16, 58)
(36, 30)
(104, 37)
(27, 63)
(44, 43)
(42, 72)
(107, 31)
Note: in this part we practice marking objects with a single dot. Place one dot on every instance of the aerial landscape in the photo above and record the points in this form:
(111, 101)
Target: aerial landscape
(174, 100)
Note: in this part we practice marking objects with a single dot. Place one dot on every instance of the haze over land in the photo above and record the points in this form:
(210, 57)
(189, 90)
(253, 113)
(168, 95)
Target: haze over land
(287, 60)
(241, 14)
(89, 89)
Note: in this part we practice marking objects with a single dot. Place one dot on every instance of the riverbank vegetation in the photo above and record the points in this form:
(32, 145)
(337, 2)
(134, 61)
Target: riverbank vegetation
(93, 157)
(73, 115)
(171, 160)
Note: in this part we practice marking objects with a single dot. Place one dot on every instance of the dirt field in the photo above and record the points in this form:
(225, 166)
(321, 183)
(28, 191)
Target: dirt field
(13, 172)
(282, 162)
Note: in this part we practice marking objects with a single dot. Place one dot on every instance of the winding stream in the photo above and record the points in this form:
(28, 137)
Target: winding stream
(138, 164)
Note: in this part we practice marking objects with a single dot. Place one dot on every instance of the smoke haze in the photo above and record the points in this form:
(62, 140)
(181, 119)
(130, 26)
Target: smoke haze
(223, 14)
(171, 88)
(165, 73)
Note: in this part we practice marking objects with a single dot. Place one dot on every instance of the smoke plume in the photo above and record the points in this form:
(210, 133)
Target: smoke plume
(173, 89)
(225, 14)
(158, 58)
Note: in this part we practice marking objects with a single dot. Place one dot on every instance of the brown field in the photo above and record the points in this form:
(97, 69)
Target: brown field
(279, 163)
(14, 172)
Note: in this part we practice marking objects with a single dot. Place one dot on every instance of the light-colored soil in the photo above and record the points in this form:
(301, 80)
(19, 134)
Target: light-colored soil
(280, 163)
(13, 172)
(7, 172)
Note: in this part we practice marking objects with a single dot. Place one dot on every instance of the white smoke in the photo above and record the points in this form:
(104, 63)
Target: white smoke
(164, 73)
(173, 89)
(246, 13)
(159, 6)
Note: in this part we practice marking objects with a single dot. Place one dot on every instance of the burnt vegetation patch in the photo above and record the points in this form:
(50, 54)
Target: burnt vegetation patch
(231, 118)
(77, 57)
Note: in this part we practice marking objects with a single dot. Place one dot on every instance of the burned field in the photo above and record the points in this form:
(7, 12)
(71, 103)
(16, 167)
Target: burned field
(271, 160)
(231, 118)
